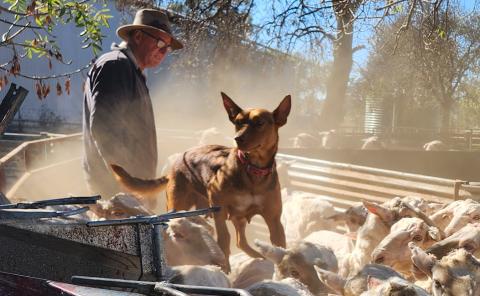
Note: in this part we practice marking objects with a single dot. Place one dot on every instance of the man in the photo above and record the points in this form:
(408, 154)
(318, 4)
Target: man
(118, 123)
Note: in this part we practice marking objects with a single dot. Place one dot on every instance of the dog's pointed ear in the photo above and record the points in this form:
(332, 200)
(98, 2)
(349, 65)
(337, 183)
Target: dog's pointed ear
(230, 106)
(281, 113)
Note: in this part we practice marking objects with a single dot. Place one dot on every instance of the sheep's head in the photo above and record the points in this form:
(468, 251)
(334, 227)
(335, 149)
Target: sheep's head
(462, 215)
(393, 249)
(298, 262)
(187, 241)
(455, 274)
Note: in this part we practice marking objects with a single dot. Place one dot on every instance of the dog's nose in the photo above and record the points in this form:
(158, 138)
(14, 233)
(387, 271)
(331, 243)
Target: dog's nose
(239, 139)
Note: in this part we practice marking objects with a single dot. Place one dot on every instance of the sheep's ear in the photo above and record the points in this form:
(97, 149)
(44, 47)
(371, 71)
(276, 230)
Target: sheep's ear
(338, 217)
(434, 207)
(380, 211)
(422, 262)
(272, 253)
(331, 279)
(434, 233)
(319, 263)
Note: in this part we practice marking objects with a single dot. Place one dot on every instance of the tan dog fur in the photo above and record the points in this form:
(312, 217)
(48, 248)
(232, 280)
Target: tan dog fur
(213, 175)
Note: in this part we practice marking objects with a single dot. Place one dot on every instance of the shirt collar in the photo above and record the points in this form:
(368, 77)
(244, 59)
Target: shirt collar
(131, 56)
(129, 53)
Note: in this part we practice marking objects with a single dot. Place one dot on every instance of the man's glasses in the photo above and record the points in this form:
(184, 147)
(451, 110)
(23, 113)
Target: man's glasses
(160, 43)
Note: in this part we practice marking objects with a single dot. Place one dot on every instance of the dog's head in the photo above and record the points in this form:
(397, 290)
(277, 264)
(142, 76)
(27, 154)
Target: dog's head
(256, 129)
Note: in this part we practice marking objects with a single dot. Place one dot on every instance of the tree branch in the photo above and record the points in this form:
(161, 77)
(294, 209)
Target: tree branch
(50, 76)
(357, 48)
(11, 37)
(390, 5)
(300, 32)
(405, 25)
(12, 11)
(28, 25)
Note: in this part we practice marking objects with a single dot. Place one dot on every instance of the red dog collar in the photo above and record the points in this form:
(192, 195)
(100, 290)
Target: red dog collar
(253, 169)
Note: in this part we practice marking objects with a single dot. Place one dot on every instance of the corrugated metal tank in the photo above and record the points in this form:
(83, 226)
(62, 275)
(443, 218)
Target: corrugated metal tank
(379, 116)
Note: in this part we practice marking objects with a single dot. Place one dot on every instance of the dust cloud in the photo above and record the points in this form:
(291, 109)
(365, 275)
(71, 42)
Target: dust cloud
(187, 100)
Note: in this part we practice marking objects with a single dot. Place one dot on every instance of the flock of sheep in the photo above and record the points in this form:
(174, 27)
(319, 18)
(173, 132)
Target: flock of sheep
(323, 140)
(333, 140)
(405, 246)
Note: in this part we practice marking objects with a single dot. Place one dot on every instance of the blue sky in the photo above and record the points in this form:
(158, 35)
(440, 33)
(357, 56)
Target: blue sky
(263, 9)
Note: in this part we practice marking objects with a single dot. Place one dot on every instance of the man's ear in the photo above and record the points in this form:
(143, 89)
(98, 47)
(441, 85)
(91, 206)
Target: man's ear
(281, 113)
(230, 106)
(137, 36)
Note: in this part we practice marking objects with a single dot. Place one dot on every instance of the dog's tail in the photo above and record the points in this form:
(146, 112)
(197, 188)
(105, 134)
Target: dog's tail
(136, 184)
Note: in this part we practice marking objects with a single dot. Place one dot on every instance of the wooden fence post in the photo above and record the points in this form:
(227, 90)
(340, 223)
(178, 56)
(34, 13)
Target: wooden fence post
(456, 189)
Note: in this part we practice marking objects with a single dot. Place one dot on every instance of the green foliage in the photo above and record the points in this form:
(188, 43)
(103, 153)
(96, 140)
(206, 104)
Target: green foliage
(397, 9)
(42, 16)
(441, 33)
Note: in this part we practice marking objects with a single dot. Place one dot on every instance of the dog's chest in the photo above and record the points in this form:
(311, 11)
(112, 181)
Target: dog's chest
(246, 201)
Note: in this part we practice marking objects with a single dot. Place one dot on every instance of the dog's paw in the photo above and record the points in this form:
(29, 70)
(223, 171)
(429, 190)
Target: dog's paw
(226, 267)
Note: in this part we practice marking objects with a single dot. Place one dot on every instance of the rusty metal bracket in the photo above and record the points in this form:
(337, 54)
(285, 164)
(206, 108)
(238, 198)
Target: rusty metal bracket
(157, 222)
(158, 251)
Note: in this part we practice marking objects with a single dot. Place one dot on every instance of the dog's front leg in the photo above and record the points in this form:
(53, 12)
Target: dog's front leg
(240, 224)
(223, 237)
(277, 233)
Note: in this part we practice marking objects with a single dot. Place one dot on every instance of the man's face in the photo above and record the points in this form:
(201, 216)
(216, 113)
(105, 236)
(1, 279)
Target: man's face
(148, 53)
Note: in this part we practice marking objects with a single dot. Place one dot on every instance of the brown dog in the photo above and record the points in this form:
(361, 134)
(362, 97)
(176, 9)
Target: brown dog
(243, 180)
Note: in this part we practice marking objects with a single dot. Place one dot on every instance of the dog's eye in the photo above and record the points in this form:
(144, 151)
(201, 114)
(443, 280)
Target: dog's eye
(260, 123)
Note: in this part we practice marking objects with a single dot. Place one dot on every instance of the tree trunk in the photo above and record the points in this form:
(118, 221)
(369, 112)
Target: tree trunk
(333, 112)
(446, 114)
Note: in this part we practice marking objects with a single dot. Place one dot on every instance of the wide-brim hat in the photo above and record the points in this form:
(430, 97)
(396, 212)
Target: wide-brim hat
(150, 19)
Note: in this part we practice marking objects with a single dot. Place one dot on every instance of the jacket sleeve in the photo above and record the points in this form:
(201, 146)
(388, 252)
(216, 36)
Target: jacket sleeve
(112, 90)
